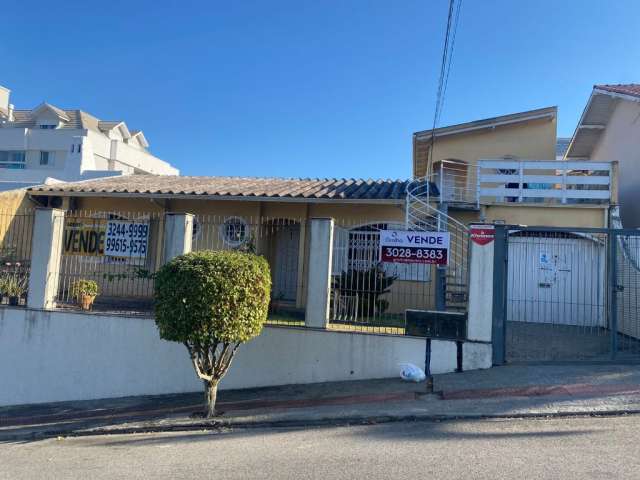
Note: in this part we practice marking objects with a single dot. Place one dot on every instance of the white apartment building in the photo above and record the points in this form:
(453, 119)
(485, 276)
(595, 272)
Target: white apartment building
(48, 144)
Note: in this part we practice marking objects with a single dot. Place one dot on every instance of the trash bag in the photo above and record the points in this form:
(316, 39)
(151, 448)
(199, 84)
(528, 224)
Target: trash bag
(411, 373)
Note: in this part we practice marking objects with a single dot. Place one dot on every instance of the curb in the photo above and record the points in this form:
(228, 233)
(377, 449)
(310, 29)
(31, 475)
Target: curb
(222, 426)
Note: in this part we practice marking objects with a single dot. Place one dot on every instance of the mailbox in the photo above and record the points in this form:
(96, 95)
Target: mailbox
(433, 324)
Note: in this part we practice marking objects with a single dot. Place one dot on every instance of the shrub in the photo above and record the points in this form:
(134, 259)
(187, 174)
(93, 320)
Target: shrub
(84, 287)
(367, 286)
(212, 302)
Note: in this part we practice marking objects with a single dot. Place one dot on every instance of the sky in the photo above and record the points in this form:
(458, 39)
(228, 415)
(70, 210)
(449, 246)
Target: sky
(309, 88)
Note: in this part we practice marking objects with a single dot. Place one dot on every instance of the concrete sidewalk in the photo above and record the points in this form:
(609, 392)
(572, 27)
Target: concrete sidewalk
(512, 391)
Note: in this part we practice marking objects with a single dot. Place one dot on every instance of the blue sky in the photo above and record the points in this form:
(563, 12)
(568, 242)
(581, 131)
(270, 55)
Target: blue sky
(309, 88)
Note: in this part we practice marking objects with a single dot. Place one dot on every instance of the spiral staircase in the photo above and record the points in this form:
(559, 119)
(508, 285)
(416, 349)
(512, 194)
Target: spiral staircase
(426, 211)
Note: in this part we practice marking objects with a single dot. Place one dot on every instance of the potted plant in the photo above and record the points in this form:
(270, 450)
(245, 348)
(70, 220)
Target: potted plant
(15, 287)
(85, 292)
(13, 283)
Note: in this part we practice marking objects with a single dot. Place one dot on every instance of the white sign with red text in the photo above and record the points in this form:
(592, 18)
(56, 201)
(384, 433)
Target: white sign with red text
(400, 246)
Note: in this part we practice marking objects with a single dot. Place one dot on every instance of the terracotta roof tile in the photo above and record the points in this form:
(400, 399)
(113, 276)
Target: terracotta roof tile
(632, 89)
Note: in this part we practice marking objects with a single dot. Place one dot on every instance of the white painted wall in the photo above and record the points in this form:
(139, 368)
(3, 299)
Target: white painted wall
(621, 142)
(480, 315)
(57, 356)
(68, 165)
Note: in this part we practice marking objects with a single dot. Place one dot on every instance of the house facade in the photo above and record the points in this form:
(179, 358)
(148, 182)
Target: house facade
(609, 128)
(479, 169)
(47, 144)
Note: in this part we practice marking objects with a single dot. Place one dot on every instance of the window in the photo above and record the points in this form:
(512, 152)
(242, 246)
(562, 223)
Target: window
(234, 231)
(12, 160)
(46, 158)
(47, 127)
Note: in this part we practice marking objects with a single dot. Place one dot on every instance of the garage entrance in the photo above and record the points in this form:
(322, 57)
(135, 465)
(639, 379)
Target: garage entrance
(570, 294)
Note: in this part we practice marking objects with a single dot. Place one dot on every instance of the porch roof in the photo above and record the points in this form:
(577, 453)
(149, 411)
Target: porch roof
(241, 188)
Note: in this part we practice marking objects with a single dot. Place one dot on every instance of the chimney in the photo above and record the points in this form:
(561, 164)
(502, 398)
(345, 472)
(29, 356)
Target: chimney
(4, 100)
(11, 109)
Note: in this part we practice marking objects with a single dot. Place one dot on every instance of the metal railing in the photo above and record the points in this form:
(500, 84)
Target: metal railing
(123, 274)
(450, 182)
(366, 294)
(16, 236)
(422, 215)
(282, 241)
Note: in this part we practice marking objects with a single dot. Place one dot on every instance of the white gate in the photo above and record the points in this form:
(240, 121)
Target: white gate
(557, 280)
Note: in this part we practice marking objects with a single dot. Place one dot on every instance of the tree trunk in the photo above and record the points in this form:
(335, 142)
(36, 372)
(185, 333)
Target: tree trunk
(210, 394)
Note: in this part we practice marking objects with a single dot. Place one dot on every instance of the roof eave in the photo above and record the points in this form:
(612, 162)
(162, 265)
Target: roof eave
(503, 120)
(194, 196)
(631, 98)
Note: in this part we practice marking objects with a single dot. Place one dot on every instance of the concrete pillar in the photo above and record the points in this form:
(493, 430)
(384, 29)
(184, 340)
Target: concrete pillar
(178, 234)
(481, 282)
(46, 253)
(319, 272)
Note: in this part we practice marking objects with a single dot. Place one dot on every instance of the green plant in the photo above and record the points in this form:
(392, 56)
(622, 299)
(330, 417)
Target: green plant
(84, 287)
(366, 286)
(212, 302)
(13, 280)
(248, 246)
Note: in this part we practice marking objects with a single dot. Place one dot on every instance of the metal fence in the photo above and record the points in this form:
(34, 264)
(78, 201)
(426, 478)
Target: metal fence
(16, 235)
(570, 294)
(119, 251)
(282, 241)
(368, 295)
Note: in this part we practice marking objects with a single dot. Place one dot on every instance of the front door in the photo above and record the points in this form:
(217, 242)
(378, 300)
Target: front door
(285, 280)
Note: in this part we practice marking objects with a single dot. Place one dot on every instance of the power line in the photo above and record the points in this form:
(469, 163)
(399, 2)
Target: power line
(445, 68)
(453, 44)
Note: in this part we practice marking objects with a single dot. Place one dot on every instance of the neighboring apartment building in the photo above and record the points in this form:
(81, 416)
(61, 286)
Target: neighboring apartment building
(47, 144)
(609, 129)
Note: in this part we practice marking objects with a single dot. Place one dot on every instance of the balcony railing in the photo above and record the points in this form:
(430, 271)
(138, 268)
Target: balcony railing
(521, 181)
(543, 181)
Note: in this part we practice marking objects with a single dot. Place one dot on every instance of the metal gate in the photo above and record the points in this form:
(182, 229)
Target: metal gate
(566, 294)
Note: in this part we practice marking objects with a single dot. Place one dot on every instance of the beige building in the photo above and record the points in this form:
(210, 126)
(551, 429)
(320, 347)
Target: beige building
(609, 129)
(482, 171)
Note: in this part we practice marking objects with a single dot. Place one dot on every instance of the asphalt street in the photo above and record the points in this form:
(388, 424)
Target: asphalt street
(562, 448)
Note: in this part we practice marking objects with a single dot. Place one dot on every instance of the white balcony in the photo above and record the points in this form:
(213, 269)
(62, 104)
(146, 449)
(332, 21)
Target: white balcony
(521, 181)
(544, 181)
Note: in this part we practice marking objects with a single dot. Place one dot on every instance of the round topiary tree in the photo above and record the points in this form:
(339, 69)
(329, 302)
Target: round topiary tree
(212, 302)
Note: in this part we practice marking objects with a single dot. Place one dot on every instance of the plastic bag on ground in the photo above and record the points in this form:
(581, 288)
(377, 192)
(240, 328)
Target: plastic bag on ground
(411, 373)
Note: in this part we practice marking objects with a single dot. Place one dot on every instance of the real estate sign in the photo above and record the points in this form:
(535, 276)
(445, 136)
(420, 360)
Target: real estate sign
(106, 238)
(401, 246)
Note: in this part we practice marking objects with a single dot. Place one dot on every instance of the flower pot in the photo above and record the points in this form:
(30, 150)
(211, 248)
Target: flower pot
(86, 301)
(14, 301)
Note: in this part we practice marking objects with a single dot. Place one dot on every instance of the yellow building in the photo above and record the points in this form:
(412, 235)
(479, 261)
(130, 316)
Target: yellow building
(462, 160)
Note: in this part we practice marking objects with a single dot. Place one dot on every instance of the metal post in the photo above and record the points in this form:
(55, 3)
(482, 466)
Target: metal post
(613, 292)
(427, 366)
(478, 185)
(564, 184)
(499, 330)
(441, 271)
(520, 182)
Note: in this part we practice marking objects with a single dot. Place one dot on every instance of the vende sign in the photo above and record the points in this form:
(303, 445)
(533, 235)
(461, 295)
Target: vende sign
(482, 234)
(400, 246)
